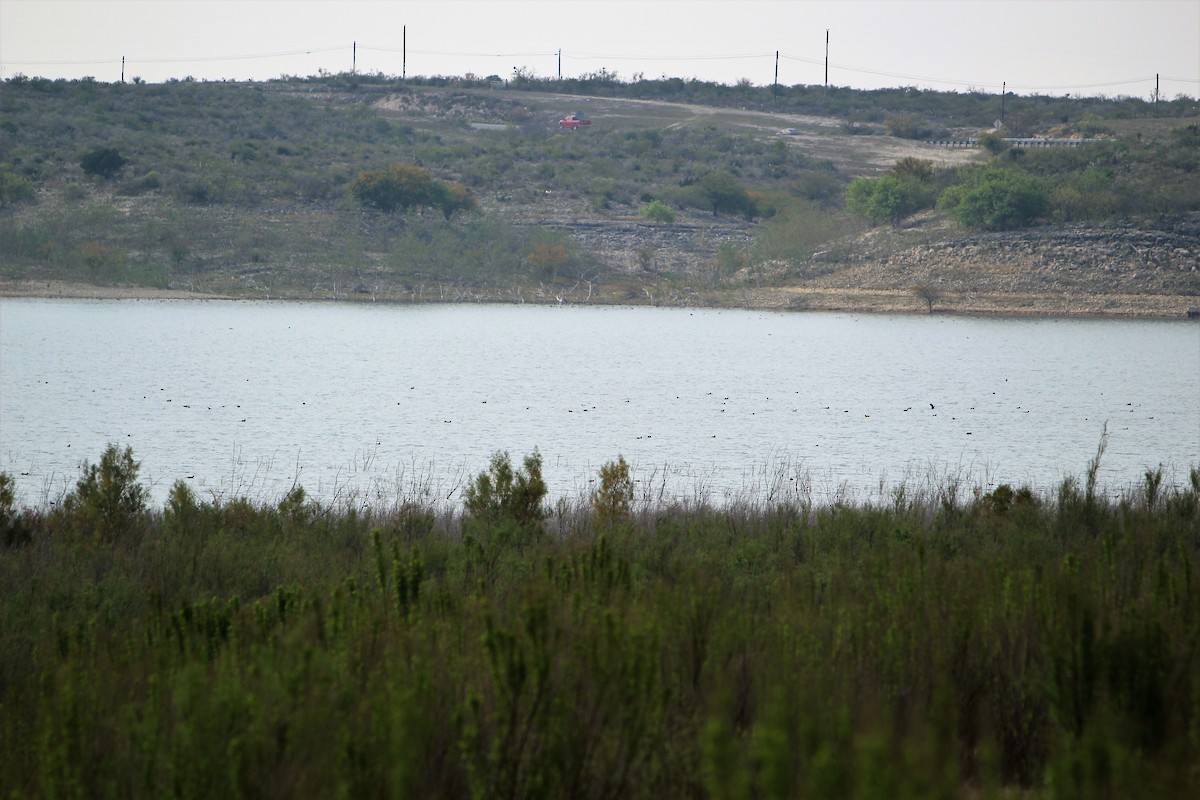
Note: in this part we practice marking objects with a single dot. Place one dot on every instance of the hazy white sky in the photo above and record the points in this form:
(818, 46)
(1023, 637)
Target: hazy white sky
(1090, 47)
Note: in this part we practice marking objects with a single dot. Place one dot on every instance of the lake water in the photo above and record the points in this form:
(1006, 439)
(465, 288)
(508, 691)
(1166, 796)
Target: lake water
(373, 403)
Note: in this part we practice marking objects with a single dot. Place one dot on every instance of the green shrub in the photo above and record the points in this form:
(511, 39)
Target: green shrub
(14, 527)
(888, 198)
(103, 162)
(108, 503)
(502, 493)
(13, 188)
(612, 501)
(399, 187)
(725, 195)
(657, 211)
(997, 199)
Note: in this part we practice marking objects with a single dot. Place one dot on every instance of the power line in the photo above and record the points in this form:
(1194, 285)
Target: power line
(614, 57)
(178, 59)
(8, 64)
(458, 54)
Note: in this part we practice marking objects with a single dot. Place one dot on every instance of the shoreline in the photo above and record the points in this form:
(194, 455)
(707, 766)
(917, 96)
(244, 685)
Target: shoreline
(798, 299)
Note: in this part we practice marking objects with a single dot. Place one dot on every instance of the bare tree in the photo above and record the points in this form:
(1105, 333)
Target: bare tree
(928, 294)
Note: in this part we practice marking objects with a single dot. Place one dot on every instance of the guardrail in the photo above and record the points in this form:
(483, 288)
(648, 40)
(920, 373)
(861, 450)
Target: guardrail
(1015, 142)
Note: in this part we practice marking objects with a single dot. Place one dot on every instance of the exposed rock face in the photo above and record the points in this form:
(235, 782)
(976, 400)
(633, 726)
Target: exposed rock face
(1120, 268)
(1118, 257)
(1150, 269)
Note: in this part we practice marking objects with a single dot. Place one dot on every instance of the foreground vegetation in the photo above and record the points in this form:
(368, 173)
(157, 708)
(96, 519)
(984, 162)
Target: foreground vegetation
(1011, 644)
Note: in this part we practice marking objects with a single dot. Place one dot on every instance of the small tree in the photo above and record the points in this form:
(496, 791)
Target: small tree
(394, 187)
(920, 169)
(14, 527)
(726, 195)
(103, 162)
(503, 494)
(452, 196)
(612, 502)
(928, 294)
(888, 198)
(399, 187)
(108, 502)
(997, 199)
(13, 188)
(657, 211)
(993, 142)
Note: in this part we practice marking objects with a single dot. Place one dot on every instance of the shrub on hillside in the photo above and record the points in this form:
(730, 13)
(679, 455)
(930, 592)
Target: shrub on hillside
(888, 198)
(657, 211)
(13, 188)
(399, 187)
(908, 126)
(103, 162)
(997, 199)
(725, 195)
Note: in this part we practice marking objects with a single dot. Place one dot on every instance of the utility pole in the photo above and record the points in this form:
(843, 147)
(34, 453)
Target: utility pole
(560, 63)
(404, 55)
(827, 58)
(122, 69)
(1156, 90)
(775, 94)
(1003, 93)
(354, 58)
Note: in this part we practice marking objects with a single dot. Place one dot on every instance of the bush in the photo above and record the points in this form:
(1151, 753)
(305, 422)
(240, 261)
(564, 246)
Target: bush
(657, 211)
(502, 494)
(888, 198)
(908, 126)
(997, 199)
(403, 186)
(725, 195)
(108, 503)
(13, 188)
(103, 162)
(14, 530)
(613, 500)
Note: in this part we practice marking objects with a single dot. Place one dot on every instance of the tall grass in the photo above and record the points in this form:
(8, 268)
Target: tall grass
(1010, 644)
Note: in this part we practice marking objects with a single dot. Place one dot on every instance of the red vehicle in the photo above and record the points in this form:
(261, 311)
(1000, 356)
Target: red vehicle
(574, 121)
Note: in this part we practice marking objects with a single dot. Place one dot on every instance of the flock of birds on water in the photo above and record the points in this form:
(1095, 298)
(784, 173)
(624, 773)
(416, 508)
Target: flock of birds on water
(725, 402)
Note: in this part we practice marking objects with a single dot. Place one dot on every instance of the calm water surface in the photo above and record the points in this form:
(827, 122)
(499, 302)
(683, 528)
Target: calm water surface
(369, 403)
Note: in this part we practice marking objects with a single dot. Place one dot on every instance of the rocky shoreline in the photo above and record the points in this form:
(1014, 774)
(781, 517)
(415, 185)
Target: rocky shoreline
(1151, 269)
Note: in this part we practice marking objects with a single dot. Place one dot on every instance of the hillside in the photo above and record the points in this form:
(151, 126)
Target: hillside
(248, 190)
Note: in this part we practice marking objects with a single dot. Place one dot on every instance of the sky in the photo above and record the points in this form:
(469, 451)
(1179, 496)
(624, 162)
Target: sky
(1050, 47)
